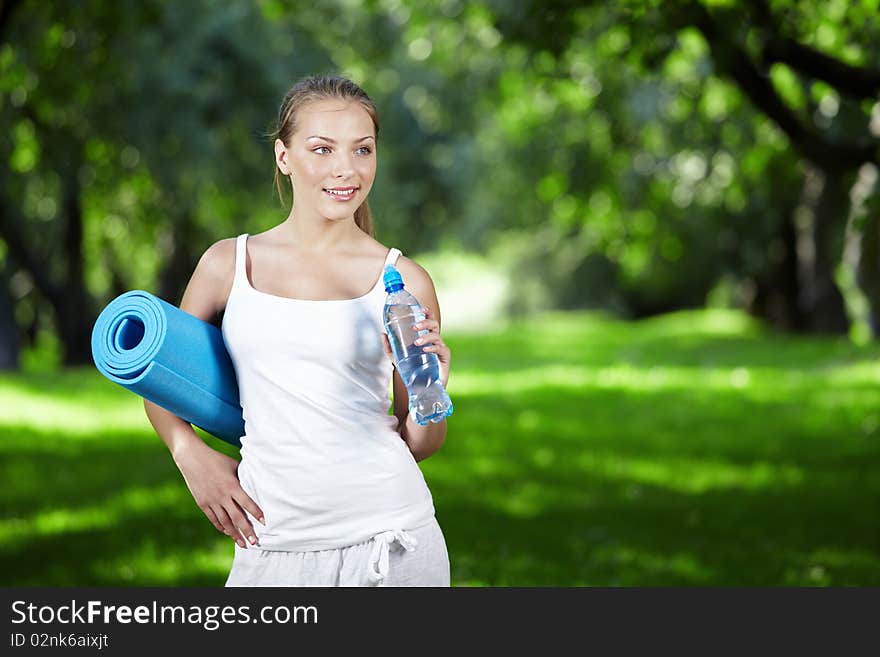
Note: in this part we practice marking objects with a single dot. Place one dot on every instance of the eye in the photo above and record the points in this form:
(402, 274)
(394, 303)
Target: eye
(367, 149)
(320, 147)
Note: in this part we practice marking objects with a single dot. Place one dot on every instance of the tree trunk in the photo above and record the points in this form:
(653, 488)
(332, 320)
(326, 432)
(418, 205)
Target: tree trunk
(71, 304)
(180, 254)
(9, 339)
(868, 268)
(822, 303)
(75, 314)
(778, 290)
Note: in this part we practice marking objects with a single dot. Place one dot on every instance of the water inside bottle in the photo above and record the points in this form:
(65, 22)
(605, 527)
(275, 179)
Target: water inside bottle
(417, 368)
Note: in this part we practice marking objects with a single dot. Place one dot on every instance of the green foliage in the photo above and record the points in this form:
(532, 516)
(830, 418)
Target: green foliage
(596, 152)
(692, 449)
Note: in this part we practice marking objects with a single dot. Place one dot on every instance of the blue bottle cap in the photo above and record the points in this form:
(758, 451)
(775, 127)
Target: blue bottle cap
(392, 279)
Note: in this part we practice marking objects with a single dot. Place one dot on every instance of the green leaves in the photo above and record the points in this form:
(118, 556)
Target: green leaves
(559, 119)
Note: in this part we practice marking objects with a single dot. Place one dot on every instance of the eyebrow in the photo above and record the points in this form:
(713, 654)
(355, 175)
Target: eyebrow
(333, 141)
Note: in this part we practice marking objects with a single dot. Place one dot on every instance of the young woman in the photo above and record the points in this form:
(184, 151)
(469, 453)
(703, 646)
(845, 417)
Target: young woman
(327, 492)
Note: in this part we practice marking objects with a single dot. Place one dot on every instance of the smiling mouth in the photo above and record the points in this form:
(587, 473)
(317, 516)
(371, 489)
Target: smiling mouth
(343, 194)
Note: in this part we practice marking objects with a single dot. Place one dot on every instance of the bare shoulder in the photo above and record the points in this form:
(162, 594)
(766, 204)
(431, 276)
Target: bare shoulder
(413, 273)
(208, 288)
(418, 281)
(218, 260)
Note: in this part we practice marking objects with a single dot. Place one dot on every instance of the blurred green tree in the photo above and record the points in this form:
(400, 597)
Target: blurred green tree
(129, 143)
(778, 57)
(639, 156)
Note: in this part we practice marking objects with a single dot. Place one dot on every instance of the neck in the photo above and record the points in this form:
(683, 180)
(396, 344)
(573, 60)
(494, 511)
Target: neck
(312, 232)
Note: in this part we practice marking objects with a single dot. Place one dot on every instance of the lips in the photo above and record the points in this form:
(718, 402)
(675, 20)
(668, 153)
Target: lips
(341, 193)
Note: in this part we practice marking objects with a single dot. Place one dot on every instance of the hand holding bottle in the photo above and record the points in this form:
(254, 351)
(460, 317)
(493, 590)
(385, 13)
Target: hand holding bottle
(417, 348)
(432, 341)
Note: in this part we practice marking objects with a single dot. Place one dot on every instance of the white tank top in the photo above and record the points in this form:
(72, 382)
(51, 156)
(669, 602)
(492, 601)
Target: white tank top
(321, 455)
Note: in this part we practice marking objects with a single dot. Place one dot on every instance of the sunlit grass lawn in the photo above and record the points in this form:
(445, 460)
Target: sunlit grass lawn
(691, 449)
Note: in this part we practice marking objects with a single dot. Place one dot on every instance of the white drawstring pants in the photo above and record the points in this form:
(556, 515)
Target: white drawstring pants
(415, 557)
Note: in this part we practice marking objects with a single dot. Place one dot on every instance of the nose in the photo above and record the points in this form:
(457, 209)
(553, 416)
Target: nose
(342, 166)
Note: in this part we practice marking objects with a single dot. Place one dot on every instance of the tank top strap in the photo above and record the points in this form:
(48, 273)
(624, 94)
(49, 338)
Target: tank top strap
(240, 256)
(392, 257)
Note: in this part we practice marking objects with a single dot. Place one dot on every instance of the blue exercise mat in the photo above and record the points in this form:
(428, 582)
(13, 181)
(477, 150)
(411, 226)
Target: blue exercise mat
(172, 358)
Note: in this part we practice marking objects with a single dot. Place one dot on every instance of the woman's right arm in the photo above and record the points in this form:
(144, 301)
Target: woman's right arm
(212, 477)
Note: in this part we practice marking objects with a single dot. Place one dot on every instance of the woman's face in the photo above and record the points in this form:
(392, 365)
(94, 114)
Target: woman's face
(334, 148)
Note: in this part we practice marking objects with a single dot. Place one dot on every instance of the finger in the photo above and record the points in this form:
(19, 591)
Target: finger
(440, 349)
(241, 522)
(213, 518)
(224, 521)
(247, 503)
(430, 338)
(228, 526)
(429, 324)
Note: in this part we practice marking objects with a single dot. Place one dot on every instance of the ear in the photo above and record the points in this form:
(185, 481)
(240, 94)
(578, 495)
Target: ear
(281, 157)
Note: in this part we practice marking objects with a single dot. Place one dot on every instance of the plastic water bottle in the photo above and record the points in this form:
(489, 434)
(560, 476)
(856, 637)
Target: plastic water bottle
(419, 370)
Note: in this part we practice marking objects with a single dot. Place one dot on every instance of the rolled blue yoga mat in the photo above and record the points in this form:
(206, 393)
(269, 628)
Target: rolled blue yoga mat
(172, 358)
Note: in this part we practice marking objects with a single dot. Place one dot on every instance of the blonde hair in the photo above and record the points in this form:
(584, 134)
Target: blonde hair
(322, 87)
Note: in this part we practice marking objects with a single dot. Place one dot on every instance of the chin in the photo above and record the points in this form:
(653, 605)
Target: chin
(337, 216)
